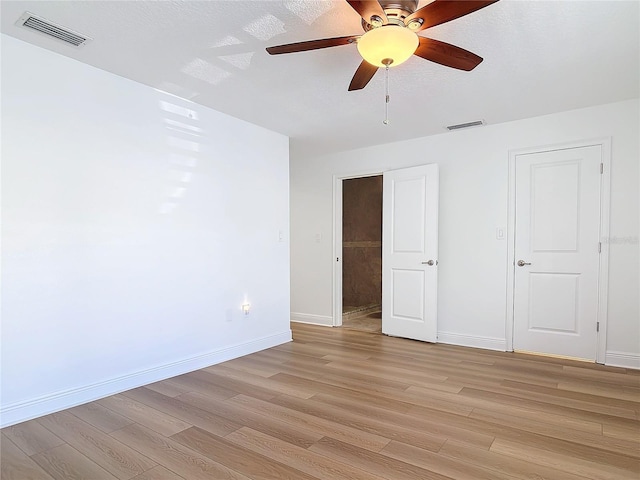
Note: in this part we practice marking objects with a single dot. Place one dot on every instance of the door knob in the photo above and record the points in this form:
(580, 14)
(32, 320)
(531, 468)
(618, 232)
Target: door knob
(431, 263)
(522, 263)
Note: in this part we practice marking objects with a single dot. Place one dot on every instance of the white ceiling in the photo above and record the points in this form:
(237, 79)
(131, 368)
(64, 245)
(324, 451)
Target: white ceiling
(539, 57)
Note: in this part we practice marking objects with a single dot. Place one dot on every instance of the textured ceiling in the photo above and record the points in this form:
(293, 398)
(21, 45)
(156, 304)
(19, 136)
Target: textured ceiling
(539, 57)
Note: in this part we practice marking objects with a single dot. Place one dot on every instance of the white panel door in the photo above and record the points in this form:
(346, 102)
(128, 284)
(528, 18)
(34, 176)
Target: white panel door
(557, 238)
(410, 252)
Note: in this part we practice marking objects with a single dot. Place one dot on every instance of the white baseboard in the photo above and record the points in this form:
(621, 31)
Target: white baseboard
(622, 359)
(488, 343)
(23, 411)
(325, 320)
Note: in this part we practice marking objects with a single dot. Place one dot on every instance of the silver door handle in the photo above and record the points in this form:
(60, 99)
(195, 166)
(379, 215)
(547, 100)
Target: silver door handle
(431, 263)
(522, 263)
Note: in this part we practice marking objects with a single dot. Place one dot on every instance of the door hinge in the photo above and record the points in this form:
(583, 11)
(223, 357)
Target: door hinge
(597, 326)
(599, 247)
(601, 168)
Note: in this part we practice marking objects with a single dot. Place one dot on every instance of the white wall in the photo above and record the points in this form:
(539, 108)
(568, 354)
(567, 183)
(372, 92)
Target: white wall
(134, 226)
(473, 203)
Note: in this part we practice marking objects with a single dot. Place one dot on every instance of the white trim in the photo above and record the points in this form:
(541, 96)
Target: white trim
(603, 278)
(487, 343)
(336, 321)
(623, 359)
(325, 320)
(54, 402)
(511, 249)
(337, 241)
(603, 274)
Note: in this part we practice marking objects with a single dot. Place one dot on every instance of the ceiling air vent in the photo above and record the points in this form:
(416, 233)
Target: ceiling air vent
(477, 123)
(33, 22)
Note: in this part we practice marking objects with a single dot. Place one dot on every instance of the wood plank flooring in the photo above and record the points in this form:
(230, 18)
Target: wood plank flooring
(349, 405)
(366, 322)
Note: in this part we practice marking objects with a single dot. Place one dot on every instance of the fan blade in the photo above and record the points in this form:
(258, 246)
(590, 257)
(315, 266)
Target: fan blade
(364, 73)
(369, 8)
(441, 11)
(312, 45)
(447, 54)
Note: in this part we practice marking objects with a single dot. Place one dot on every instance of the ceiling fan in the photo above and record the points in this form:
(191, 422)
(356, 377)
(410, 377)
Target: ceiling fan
(391, 38)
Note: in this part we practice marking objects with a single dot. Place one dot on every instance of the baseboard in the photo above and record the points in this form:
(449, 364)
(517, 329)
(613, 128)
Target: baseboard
(622, 359)
(23, 411)
(325, 320)
(488, 343)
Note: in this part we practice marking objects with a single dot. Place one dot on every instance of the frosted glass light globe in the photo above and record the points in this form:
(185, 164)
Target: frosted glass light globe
(389, 45)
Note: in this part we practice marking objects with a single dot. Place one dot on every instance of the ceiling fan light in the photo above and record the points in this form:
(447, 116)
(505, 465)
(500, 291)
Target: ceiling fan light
(388, 43)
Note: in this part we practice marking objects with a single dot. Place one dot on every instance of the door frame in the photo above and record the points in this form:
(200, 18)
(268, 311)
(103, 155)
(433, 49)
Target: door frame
(337, 239)
(603, 267)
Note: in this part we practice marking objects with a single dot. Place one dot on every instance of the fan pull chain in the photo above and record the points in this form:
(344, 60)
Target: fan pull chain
(386, 98)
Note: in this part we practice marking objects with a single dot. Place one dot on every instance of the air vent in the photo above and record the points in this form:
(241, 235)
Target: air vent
(477, 123)
(39, 24)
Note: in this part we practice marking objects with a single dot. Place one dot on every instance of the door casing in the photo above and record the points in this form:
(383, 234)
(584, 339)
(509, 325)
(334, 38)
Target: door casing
(603, 268)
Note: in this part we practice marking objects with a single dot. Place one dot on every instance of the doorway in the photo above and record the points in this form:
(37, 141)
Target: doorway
(362, 253)
(405, 215)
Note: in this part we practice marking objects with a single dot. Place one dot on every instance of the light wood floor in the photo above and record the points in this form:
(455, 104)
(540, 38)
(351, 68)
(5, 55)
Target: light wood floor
(349, 405)
(367, 322)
